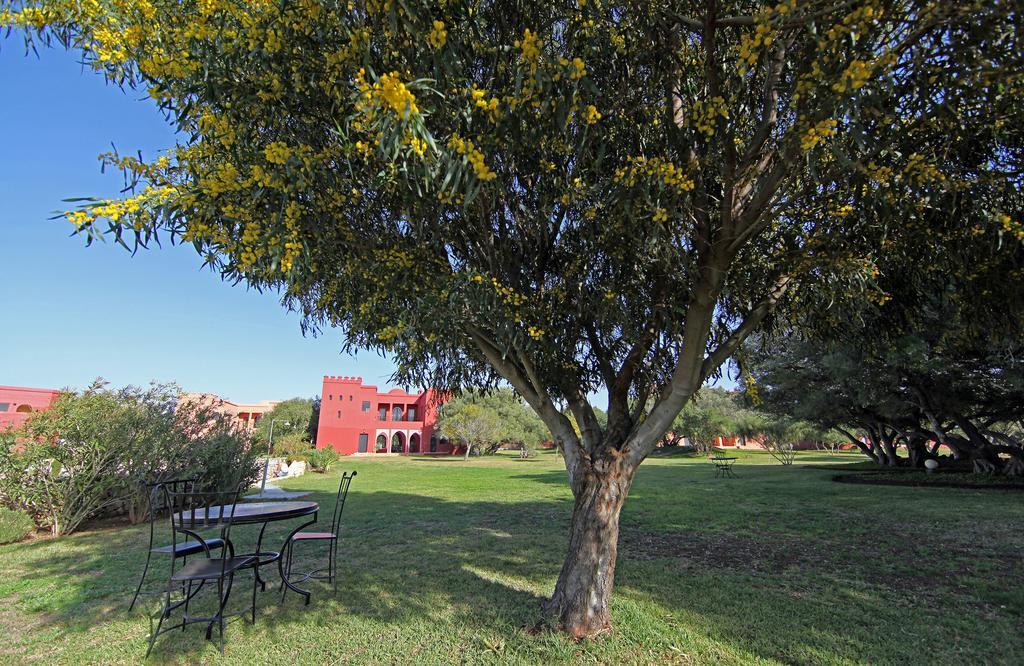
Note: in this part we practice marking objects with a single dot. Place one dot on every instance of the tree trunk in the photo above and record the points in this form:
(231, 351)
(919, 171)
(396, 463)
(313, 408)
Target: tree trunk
(580, 603)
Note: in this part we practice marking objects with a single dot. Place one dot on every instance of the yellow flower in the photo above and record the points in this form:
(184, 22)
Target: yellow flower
(593, 115)
(438, 35)
(529, 45)
(660, 215)
(277, 153)
(393, 92)
(579, 70)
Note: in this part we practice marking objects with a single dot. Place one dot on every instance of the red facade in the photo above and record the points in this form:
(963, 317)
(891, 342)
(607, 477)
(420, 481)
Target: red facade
(17, 403)
(358, 419)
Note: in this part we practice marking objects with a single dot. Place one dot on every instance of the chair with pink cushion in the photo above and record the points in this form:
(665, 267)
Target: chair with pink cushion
(331, 538)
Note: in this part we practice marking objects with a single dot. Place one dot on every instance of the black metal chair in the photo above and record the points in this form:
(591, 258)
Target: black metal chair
(330, 537)
(191, 515)
(182, 550)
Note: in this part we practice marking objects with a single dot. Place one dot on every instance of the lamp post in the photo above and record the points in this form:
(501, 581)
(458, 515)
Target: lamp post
(270, 452)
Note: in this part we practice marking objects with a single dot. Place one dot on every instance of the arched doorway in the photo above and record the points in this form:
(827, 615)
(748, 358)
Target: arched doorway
(414, 443)
(381, 446)
(398, 443)
(24, 409)
(433, 444)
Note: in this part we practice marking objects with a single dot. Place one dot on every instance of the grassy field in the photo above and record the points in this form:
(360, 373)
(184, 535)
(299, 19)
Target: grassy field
(446, 561)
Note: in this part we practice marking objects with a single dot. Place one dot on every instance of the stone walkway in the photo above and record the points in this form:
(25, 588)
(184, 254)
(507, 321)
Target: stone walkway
(271, 492)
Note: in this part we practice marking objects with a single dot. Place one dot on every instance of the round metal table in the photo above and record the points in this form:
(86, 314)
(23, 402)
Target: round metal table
(252, 513)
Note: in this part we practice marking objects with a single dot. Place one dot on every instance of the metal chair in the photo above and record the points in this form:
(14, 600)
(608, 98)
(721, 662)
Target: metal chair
(182, 550)
(192, 514)
(331, 537)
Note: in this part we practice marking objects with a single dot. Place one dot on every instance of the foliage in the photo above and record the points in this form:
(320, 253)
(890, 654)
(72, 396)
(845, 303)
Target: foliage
(780, 437)
(472, 424)
(912, 395)
(14, 525)
(90, 453)
(568, 198)
(314, 420)
(705, 418)
(321, 460)
(502, 419)
(292, 416)
(293, 445)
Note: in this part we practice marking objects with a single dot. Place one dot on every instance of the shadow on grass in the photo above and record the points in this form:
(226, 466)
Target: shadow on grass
(482, 566)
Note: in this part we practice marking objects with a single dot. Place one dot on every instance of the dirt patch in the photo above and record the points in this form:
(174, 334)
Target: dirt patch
(716, 550)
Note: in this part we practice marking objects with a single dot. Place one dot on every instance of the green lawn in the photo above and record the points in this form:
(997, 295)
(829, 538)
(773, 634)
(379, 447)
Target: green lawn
(446, 561)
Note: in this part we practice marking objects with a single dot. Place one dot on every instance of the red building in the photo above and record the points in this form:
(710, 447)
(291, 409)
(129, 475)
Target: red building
(358, 419)
(17, 403)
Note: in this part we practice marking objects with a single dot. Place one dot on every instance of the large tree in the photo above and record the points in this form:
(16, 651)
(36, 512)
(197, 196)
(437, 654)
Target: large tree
(565, 196)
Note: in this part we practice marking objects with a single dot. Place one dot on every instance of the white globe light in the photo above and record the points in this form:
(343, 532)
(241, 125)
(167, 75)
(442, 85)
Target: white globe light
(931, 464)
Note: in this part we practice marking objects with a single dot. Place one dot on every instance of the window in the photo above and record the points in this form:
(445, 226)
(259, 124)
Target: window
(433, 444)
(350, 398)
(364, 440)
(330, 396)
(396, 413)
(4, 406)
(339, 413)
(382, 415)
(366, 405)
(410, 413)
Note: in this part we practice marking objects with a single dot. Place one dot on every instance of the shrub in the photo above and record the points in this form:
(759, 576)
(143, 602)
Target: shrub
(320, 460)
(293, 446)
(90, 454)
(14, 525)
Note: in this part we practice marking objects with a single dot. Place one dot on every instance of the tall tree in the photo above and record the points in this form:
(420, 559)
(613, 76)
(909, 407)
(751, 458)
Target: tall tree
(564, 196)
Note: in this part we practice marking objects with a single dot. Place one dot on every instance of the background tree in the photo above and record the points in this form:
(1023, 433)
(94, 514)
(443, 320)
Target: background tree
(706, 418)
(471, 423)
(314, 421)
(291, 420)
(507, 420)
(582, 196)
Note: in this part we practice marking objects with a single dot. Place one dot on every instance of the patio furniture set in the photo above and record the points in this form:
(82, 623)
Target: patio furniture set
(202, 554)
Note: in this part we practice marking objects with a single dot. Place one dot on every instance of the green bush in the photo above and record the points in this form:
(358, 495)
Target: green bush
(90, 453)
(320, 460)
(293, 446)
(14, 525)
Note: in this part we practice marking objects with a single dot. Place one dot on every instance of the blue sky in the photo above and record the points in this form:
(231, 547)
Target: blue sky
(69, 313)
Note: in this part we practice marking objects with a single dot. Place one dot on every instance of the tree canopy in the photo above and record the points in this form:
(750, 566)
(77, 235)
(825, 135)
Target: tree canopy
(563, 195)
(290, 417)
(489, 419)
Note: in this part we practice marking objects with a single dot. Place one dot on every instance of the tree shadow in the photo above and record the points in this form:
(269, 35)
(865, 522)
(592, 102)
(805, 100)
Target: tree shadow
(485, 566)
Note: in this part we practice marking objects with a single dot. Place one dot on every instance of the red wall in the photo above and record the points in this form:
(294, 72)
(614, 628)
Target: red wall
(343, 417)
(17, 404)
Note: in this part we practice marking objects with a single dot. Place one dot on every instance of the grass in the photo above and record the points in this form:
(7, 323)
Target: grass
(447, 561)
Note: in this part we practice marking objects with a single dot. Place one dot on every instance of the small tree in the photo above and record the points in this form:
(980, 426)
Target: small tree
(292, 416)
(469, 423)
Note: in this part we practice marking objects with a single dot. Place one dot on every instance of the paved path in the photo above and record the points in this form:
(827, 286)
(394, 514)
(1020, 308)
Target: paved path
(272, 492)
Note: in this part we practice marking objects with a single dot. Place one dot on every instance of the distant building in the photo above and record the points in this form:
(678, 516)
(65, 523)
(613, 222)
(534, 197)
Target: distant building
(18, 403)
(359, 419)
(245, 415)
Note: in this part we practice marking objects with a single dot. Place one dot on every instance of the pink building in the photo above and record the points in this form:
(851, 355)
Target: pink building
(245, 415)
(359, 419)
(17, 403)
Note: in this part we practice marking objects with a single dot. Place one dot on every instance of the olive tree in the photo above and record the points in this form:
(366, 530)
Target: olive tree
(563, 196)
